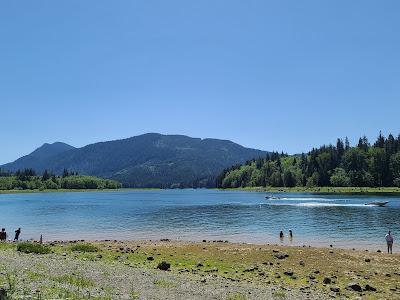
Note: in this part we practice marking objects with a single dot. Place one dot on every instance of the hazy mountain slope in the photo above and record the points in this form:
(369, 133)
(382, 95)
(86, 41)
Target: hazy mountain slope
(39, 158)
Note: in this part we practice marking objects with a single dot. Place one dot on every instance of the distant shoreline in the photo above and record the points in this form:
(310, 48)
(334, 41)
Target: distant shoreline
(321, 190)
(316, 190)
(72, 190)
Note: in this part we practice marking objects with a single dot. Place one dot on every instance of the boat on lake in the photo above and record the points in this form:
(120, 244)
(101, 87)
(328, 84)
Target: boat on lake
(377, 203)
(270, 197)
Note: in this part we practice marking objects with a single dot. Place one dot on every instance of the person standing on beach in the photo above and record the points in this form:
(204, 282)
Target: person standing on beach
(17, 233)
(281, 235)
(389, 242)
(3, 235)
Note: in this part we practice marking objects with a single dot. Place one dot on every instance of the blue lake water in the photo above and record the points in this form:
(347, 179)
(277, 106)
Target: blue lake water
(319, 220)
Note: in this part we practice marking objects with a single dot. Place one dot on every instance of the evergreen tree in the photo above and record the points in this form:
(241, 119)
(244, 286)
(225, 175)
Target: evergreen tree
(65, 173)
(46, 175)
(340, 148)
(346, 143)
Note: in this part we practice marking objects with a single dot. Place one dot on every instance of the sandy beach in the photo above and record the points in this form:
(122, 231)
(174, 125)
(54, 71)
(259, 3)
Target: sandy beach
(196, 270)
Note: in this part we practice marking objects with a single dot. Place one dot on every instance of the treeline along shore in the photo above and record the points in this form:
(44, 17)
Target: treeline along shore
(29, 180)
(340, 167)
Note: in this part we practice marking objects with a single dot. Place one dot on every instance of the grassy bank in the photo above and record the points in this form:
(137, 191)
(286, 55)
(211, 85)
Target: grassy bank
(327, 190)
(218, 270)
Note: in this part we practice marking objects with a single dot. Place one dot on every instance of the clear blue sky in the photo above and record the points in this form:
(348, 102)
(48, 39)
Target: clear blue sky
(274, 75)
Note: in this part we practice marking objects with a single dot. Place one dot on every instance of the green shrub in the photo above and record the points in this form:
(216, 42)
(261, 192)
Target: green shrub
(235, 296)
(84, 248)
(76, 280)
(28, 247)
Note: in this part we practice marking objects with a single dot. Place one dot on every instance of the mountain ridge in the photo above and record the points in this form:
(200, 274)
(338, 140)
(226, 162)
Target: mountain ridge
(147, 160)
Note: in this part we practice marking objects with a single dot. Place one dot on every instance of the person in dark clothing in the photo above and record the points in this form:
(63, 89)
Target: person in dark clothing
(3, 234)
(281, 235)
(17, 233)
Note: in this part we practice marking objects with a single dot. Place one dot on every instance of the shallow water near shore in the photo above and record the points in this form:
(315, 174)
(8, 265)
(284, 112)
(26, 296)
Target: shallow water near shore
(237, 216)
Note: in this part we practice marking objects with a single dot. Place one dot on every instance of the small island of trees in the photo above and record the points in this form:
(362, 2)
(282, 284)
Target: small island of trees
(365, 165)
(28, 179)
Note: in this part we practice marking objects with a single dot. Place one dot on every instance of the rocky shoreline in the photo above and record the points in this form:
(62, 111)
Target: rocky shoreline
(195, 270)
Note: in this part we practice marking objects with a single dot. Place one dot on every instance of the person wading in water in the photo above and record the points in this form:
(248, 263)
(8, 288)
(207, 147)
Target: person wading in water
(17, 233)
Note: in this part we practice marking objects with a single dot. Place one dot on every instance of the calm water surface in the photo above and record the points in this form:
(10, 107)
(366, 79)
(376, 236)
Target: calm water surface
(321, 220)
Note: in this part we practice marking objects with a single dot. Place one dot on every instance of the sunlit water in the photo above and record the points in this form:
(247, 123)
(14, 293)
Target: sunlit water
(320, 220)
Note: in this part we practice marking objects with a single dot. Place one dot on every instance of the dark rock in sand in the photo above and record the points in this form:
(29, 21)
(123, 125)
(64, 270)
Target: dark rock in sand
(251, 269)
(211, 270)
(281, 255)
(165, 266)
(150, 258)
(183, 271)
(301, 263)
(204, 241)
(316, 272)
(199, 265)
(354, 286)
(367, 260)
(3, 294)
(335, 289)
(379, 251)
(369, 288)
(289, 272)
(327, 280)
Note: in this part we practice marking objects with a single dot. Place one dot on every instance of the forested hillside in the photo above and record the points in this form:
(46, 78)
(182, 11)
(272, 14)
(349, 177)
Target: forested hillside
(28, 180)
(340, 165)
(148, 160)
